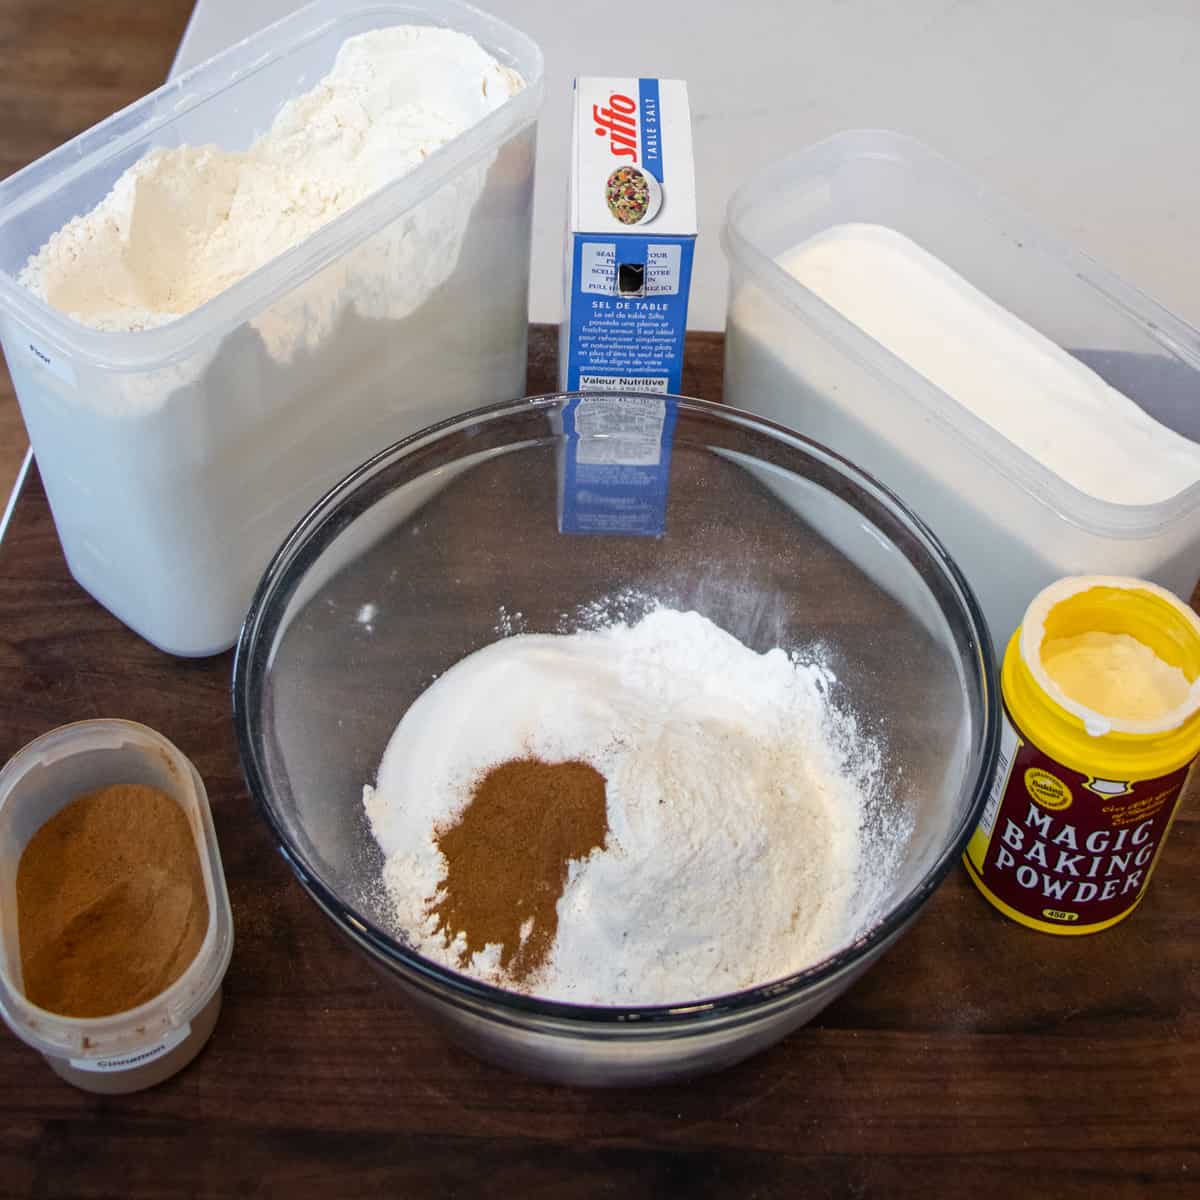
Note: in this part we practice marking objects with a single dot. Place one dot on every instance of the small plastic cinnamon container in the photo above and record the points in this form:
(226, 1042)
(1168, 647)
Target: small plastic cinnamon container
(143, 1046)
(1082, 803)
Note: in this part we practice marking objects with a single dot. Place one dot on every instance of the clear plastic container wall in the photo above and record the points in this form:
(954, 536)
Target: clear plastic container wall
(1012, 525)
(176, 459)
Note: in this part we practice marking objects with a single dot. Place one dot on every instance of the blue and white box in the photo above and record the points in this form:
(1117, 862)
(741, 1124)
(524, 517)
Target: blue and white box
(630, 237)
(615, 473)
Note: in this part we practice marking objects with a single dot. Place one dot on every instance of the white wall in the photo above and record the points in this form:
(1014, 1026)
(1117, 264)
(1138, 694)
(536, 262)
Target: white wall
(1083, 111)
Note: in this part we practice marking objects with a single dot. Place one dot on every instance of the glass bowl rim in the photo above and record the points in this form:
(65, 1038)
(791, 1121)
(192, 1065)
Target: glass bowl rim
(515, 1006)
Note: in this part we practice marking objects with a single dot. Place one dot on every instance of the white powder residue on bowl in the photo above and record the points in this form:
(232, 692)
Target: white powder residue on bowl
(185, 223)
(740, 845)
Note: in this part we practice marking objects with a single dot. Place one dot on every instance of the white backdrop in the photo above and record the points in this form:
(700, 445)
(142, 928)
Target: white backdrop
(1083, 111)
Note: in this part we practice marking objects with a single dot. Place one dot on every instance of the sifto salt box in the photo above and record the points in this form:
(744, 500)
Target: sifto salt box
(631, 232)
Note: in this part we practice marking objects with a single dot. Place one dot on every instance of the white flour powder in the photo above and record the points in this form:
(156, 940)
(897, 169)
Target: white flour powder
(183, 224)
(737, 804)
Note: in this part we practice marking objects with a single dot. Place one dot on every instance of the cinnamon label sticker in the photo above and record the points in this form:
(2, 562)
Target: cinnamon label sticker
(138, 1058)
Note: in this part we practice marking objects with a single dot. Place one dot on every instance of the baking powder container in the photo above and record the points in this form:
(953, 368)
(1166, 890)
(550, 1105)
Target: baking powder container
(136, 1049)
(1081, 804)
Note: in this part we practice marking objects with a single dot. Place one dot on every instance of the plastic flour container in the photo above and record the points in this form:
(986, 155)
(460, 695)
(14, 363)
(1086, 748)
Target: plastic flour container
(136, 1049)
(1011, 523)
(176, 458)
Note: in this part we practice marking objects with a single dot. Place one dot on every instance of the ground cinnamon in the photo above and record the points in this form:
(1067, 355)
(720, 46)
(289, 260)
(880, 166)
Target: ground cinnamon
(508, 854)
(111, 907)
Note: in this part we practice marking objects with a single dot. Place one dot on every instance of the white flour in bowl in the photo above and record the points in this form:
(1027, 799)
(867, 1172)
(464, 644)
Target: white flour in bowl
(740, 847)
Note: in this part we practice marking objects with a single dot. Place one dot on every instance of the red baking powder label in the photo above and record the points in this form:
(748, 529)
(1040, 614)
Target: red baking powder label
(1065, 852)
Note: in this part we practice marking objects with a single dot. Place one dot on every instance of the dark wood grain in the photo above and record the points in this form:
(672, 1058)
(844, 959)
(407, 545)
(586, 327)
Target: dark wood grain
(976, 1057)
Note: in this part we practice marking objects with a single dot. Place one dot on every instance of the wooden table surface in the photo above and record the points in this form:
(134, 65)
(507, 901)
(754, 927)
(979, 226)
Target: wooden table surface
(975, 1058)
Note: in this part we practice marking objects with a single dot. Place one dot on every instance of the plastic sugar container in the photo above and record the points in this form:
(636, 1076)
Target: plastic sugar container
(176, 458)
(1012, 524)
(136, 1049)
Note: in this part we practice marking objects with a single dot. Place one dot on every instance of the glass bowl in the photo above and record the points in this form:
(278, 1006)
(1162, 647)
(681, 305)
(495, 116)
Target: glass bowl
(440, 544)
